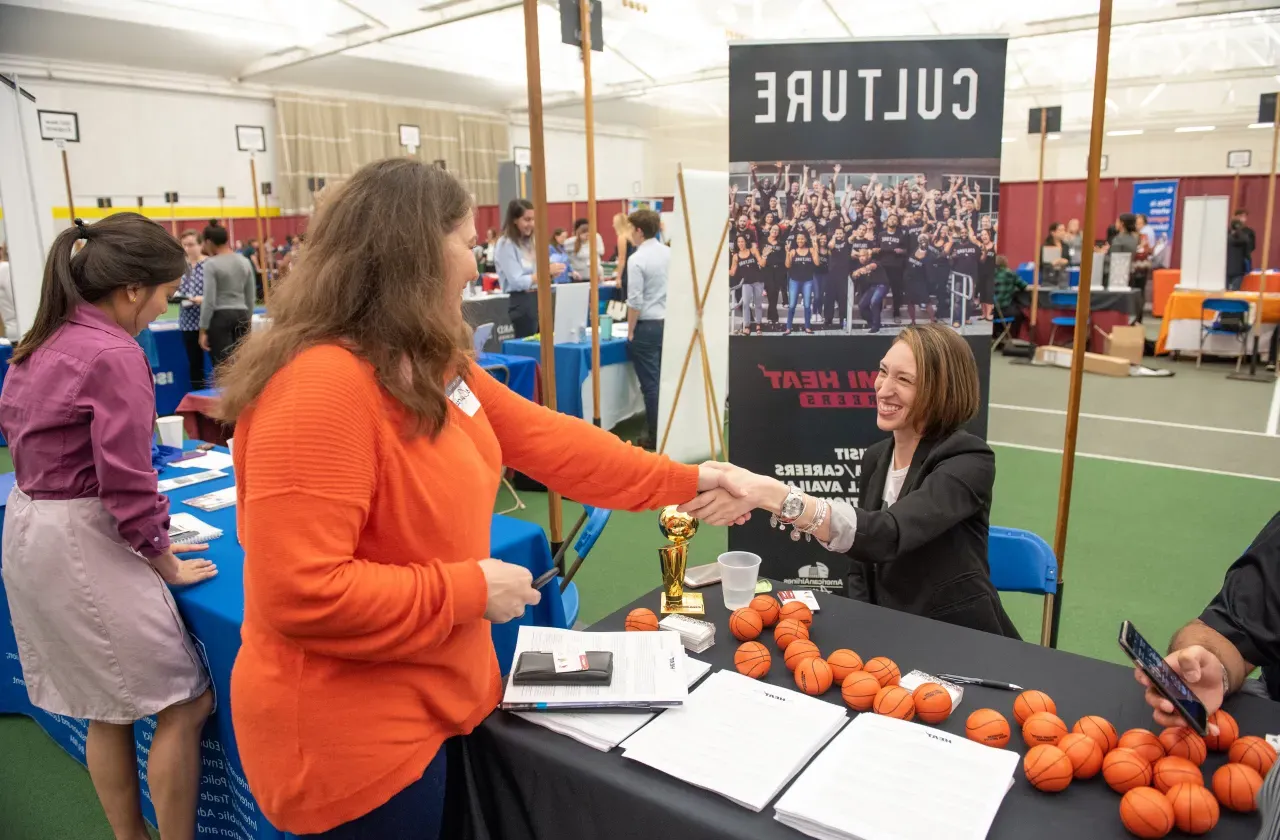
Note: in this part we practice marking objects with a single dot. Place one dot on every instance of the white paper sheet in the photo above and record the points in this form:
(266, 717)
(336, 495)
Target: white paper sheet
(867, 785)
(605, 730)
(648, 671)
(207, 461)
(723, 720)
(168, 484)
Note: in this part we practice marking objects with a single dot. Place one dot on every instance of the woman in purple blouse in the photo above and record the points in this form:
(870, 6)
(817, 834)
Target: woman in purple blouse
(86, 545)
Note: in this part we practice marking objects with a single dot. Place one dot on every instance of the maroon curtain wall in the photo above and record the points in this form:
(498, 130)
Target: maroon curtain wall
(1064, 200)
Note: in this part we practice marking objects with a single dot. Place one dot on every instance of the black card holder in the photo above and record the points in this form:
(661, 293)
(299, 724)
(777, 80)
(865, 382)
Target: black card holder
(534, 668)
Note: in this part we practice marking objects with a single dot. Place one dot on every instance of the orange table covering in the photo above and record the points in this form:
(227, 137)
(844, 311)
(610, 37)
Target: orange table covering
(1164, 280)
(1184, 304)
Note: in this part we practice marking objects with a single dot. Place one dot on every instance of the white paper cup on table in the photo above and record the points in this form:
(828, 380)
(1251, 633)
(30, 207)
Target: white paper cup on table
(738, 573)
(170, 430)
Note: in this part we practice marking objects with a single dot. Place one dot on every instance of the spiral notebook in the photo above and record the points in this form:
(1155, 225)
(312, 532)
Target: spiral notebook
(185, 529)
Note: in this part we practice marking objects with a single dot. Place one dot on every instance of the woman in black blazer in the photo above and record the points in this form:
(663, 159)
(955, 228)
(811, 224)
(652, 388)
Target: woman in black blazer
(919, 534)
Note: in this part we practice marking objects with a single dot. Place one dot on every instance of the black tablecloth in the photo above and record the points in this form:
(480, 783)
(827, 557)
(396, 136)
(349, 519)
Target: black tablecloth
(1128, 301)
(490, 310)
(523, 781)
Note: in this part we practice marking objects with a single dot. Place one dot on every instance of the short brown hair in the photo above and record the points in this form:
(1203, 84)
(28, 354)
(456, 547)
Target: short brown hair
(647, 221)
(189, 232)
(371, 278)
(948, 394)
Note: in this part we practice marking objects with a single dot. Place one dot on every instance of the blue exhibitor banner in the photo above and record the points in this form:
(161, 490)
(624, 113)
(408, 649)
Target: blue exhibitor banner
(1158, 201)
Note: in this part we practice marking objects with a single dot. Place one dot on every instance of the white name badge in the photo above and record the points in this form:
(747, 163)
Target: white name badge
(461, 395)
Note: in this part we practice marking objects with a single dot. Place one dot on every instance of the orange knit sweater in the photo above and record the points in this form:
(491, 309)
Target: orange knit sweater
(364, 643)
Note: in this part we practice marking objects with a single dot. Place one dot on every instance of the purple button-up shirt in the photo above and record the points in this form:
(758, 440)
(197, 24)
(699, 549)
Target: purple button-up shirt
(78, 415)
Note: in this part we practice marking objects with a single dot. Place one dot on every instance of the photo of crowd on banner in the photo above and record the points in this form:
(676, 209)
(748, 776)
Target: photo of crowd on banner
(818, 249)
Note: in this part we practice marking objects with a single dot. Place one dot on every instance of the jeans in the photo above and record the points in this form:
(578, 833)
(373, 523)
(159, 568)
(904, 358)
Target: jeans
(795, 290)
(195, 358)
(523, 309)
(870, 306)
(1234, 282)
(226, 328)
(646, 355)
(752, 303)
(417, 811)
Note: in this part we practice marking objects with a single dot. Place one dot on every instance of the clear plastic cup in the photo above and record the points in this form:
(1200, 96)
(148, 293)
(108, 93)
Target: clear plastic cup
(170, 430)
(738, 573)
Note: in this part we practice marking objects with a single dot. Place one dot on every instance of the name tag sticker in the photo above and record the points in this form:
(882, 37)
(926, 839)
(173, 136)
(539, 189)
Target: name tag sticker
(461, 396)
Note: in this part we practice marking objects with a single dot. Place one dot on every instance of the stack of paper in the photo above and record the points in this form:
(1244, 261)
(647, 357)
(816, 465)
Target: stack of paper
(913, 680)
(723, 722)
(648, 671)
(869, 783)
(697, 635)
(605, 730)
(217, 500)
(185, 529)
(167, 484)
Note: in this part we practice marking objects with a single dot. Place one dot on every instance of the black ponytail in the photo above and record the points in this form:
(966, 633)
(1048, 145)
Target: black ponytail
(124, 249)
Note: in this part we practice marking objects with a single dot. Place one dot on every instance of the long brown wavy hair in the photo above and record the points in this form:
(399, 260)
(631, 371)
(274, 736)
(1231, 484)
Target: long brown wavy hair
(371, 279)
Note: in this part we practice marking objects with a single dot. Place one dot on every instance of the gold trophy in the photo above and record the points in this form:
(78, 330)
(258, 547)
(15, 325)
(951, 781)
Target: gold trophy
(679, 528)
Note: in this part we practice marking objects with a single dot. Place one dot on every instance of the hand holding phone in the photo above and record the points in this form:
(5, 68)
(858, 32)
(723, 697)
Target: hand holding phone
(1167, 691)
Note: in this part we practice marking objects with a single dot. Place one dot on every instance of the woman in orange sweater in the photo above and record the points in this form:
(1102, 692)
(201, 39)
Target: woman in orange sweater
(368, 453)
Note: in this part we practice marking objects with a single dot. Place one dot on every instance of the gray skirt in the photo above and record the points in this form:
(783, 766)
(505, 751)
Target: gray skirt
(99, 635)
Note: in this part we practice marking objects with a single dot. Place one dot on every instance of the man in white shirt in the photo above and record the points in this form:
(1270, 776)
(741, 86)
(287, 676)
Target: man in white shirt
(647, 308)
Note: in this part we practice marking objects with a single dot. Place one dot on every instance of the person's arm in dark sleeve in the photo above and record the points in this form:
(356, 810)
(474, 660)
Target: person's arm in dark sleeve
(956, 490)
(1245, 614)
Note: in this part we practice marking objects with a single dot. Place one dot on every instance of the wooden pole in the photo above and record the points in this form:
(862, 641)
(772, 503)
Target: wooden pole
(173, 219)
(1235, 191)
(1270, 219)
(546, 322)
(66, 176)
(584, 10)
(709, 390)
(1035, 283)
(1081, 340)
(262, 242)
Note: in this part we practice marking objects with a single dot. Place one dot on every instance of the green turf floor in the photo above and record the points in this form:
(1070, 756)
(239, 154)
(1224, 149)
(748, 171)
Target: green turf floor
(1148, 544)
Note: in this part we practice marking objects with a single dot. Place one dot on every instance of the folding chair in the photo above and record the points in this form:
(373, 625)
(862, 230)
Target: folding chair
(1004, 324)
(1021, 562)
(594, 519)
(1238, 326)
(1064, 300)
(482, 336)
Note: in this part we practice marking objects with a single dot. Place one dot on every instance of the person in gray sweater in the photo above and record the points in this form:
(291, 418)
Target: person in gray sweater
(229, 294)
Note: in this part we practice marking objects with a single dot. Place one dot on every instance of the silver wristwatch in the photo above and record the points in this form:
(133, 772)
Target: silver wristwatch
(792, 507)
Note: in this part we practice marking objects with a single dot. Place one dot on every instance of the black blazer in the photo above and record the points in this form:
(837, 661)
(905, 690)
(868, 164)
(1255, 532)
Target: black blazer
(927, 554)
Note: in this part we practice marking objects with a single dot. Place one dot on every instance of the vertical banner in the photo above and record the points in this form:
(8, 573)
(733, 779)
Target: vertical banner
(873, 168)
(1158, 201)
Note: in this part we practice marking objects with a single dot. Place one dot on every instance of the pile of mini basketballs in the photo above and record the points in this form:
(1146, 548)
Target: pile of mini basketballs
(1159, 776)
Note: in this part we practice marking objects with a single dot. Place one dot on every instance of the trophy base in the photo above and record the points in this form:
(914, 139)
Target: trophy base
(690, 605)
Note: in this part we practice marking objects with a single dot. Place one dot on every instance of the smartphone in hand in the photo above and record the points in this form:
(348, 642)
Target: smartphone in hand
(1163, 678)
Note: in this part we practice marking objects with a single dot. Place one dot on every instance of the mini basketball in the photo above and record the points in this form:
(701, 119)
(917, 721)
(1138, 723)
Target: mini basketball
(1125, 770)
(745, 624)
(798, 651)
(1228, 731)
(932, 702)
(1236, 786)
(894, 701)
(1047, 768)
(797, 611)
(843, 662)
(1183, 742)
(1031, 701)
(787, 631)
(1253, 751)
(1085, 754)
(884, 669)
(641, 619)
(859, 690)
(987, 726)
(752, 659)
(813, 675)
(1144, 742)
(1146, 813)
(1173, 770)
(1195, 811)
(1100, 730)
(1043, 728)
(768, 608)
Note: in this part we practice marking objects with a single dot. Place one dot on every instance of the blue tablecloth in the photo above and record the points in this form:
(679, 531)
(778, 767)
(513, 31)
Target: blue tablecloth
(573, 366)
(213, 612)
(520, 374)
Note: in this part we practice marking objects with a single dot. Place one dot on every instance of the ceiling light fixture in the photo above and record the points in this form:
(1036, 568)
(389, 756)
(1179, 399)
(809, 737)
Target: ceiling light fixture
(1008, 139)
(1261, 125)
(1127, 132)
(1187, 129)
(1055, 136)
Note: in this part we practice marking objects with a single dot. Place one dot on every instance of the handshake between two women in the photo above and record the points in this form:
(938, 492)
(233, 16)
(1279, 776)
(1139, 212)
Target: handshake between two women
(728, 494)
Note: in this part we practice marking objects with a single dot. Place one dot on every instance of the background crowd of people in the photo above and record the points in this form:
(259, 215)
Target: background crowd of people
(838, 244)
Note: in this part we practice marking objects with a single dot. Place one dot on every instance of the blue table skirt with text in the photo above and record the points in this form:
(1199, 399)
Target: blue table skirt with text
(573, 366)
(213, 612)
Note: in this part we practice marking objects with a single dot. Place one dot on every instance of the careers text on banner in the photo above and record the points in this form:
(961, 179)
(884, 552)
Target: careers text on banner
(864, 194)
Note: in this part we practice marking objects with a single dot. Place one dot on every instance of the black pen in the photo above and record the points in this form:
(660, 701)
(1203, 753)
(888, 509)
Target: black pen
(546, 577)
(959, 680)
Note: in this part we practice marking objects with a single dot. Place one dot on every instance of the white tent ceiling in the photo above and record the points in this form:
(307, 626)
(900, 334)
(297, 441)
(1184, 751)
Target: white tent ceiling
(1173, 62)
